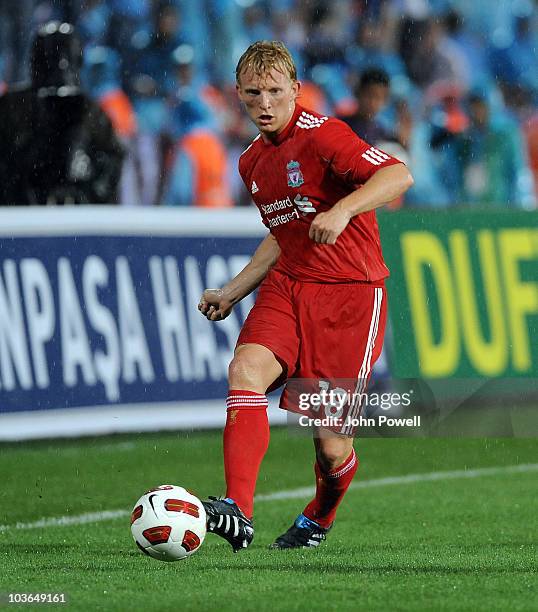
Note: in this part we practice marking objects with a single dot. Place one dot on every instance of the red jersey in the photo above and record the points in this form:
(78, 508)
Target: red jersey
(315, 162)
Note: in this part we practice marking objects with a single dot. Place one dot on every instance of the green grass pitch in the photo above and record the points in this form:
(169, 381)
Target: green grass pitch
(447, 544)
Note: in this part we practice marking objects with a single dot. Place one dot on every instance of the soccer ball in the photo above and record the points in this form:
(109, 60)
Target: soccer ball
(168, 523)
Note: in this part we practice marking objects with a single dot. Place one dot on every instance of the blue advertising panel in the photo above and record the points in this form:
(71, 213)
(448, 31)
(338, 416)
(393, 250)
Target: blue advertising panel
(91, 318)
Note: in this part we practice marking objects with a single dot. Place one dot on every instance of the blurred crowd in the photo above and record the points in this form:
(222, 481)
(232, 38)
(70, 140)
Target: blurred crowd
(449, 86)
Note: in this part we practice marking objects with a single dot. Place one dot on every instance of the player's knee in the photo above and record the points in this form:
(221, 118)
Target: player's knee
(331, 456)
(244, 372)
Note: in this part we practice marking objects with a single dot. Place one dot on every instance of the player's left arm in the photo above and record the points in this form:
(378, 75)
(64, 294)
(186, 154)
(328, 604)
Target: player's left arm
(384, 186)
(377, 178)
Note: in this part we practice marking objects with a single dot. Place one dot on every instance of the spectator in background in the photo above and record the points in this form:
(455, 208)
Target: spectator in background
(58, 146)
(452, 51)
(372, 94)
(447, 121)
(189, 89)
(149, 65)
(197, 173)
(420, 44)
(225, 32)
(156, 60)
(369, 51)
(152, 118)
(129, 31)
(102, 80)
(290, 27)
(328, 33)
(467, 52)
(492, 158)
(520, 103)
(324, 42)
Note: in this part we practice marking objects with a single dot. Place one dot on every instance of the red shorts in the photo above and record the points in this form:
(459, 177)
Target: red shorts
(325, 335)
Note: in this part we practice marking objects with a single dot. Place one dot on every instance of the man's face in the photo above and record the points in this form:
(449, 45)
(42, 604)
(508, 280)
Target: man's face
(372, 98)
(269, 99)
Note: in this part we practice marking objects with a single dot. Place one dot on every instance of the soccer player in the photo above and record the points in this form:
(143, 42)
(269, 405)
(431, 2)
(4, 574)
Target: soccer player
(321, 307)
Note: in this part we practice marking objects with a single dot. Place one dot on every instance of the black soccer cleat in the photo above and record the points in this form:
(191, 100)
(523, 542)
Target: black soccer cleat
(226, 520)
(304, 533)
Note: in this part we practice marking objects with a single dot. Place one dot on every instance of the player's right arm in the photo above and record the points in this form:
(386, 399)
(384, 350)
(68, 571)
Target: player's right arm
(217, 304)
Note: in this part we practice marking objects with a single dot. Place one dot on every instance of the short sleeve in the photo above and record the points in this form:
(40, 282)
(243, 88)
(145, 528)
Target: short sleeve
(349, 157)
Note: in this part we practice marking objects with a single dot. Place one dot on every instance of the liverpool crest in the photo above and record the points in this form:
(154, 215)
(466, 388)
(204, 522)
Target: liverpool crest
(295, 176)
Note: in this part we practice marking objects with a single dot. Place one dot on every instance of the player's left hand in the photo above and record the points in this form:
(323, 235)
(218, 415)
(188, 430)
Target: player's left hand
(327, 226)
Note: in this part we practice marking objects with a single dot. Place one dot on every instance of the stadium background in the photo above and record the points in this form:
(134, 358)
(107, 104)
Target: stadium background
(99, 331)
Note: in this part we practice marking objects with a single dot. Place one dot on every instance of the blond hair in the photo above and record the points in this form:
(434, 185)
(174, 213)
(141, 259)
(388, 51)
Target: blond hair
(264, 55)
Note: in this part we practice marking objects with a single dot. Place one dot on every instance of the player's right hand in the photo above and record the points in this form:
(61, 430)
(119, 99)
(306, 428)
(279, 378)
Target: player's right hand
(214, 305)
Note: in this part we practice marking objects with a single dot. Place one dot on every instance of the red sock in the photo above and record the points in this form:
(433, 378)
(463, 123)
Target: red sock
(330, 490)
(246, 438)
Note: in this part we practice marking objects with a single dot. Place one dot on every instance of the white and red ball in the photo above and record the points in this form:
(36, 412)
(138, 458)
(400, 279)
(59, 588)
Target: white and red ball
(168, 523)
